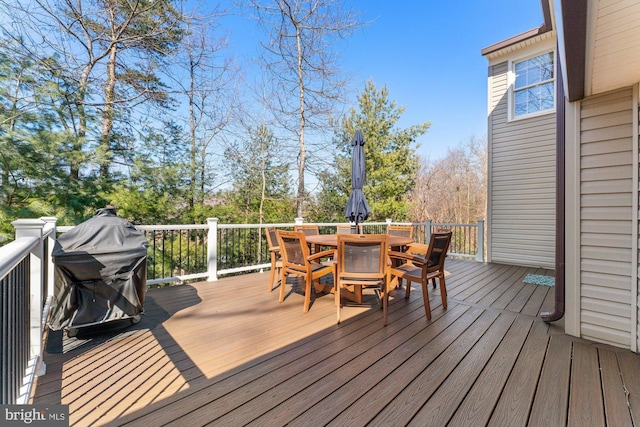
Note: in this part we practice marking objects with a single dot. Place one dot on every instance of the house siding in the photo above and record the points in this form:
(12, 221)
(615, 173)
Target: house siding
(521, 206)
(606, 217)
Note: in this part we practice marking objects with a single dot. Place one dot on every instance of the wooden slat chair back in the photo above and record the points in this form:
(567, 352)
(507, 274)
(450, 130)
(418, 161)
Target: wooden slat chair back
(421, 269)
(276, 258)
(343, 229)
(297, 260)
(308, 230)
(347, 229)
(362, 261)
(400, 230)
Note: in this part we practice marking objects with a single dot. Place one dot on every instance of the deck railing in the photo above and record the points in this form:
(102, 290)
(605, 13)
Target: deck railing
(207, 251)
(26, 284)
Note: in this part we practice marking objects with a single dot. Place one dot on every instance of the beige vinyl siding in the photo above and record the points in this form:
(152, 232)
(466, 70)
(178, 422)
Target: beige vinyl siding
(521, 182)
(606, 197)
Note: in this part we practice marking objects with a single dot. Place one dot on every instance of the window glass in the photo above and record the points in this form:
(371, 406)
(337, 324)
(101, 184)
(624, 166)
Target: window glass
(534, 88)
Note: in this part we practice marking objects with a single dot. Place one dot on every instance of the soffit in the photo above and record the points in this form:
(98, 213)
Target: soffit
(613, 45)
(510, 49)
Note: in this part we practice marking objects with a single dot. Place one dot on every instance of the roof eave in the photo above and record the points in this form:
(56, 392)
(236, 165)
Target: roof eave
(546, 27)
(512, 41)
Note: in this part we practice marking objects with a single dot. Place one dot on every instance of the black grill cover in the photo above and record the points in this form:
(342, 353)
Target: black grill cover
(100, 272)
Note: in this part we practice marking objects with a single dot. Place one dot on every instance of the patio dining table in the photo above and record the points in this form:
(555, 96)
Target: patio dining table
(331, 240)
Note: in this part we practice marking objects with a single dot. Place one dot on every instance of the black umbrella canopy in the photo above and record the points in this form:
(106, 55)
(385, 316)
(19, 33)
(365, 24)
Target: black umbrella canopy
(357, 209)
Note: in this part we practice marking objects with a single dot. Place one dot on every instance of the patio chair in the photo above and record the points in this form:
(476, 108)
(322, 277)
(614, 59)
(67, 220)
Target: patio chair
(400, 230)
(296, 260)
(309, 230)
(417, 249)
(404, 231)
(346, 229)
(276, 258)
(422, 269)
(362, 262)
(421, 249)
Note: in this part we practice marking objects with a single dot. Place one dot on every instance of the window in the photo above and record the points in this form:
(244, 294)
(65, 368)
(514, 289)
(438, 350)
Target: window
(534, 86)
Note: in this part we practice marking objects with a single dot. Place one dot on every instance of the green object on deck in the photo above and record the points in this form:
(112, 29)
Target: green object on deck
(538, 279)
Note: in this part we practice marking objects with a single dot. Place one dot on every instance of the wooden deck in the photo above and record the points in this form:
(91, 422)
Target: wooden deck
(227, 353)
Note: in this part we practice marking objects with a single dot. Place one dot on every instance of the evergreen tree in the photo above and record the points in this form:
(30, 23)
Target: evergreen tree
(390, 156)
(110, 52)
(157, 189)
(260, 191)
(36, 149)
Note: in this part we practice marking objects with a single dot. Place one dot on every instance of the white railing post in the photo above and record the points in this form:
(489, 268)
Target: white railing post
(480, 253)
(427, 230)
(298, 221)
(33, 228)
(51, 241)
(212, 249)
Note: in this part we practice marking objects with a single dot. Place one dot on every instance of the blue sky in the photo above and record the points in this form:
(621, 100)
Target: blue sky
(428, 54)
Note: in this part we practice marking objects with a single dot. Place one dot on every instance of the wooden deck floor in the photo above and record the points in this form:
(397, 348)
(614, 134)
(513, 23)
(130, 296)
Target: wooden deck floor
(227, 353)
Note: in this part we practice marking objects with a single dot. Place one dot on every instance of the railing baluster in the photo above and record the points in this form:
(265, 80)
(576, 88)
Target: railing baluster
(155, 255)
(205, 242)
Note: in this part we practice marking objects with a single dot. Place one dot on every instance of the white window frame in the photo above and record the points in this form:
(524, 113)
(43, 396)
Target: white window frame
(512, 83)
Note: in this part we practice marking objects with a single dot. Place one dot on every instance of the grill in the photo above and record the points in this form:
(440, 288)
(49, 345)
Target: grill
(100, 273)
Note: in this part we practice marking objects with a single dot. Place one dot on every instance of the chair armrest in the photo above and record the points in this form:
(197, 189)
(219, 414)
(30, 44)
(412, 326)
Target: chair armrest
(417, 248)
(417, 260)
(275, 249)
(324, 254)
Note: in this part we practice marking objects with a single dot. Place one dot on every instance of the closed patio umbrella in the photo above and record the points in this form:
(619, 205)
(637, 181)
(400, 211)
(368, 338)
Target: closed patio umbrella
(357, 209)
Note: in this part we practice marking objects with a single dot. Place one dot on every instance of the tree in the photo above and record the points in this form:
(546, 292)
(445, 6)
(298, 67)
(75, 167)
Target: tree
(110, 52)
(454, 188)
(156, 191)
(36, 148)
(300, 59)
(260, 192)
(390, 156)
(206, 81)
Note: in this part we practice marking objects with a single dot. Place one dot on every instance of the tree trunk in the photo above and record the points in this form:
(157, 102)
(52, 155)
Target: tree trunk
(302, 154)
(107, 117)
(74, 167)
(192, 135)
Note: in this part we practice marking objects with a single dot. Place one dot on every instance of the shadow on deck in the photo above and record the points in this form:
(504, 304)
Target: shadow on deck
(227, 353)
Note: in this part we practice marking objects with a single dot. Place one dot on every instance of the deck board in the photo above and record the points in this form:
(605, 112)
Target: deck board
(478, 405)
(371, 352)
(534, 304)
(551, 403)
(629, 367)
(585, 377)
(516, 399)
(442, 405)
(228, 353)
(357, 397)
(615, 399)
